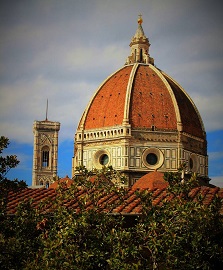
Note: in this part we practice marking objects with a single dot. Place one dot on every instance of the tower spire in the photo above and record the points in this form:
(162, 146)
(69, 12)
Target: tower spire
(47, 109)
(139, 46)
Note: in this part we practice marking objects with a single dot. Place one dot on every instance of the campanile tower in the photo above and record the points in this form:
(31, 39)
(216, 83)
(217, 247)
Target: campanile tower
(45, 152)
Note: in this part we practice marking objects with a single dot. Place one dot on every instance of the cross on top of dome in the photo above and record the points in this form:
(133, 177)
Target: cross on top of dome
(140, 20)
(139, 32)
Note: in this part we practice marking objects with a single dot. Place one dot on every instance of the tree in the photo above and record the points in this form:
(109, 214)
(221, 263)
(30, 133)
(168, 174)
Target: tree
(6, 164)
(177, 234)
(6, 185)
(16, 234)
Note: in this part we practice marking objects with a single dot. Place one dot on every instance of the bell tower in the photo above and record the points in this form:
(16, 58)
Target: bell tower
(45, 152)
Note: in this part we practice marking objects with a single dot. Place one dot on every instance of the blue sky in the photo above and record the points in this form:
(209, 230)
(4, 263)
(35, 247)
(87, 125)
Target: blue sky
(63, 50)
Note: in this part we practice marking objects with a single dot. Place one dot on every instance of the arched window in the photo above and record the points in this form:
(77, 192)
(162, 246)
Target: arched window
(140, 55)
(45, 157)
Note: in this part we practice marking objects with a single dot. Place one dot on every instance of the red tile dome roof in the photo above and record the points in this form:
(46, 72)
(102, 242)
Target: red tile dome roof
(142, 96)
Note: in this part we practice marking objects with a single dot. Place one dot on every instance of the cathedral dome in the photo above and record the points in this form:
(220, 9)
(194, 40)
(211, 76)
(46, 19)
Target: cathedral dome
(143, 96)
(140, 120)
(146, 98)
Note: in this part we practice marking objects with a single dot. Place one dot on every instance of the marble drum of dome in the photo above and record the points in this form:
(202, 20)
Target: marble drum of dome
(140, 120)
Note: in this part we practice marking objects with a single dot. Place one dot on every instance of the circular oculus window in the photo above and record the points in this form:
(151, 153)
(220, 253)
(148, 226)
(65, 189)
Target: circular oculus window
(104, 159)
(193, 163)
(101, 158)
(153, 158)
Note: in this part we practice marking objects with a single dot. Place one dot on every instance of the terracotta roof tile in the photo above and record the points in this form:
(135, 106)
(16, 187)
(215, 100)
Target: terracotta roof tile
(151, 180)
(66, 181)
(37, 195)
(112, 202)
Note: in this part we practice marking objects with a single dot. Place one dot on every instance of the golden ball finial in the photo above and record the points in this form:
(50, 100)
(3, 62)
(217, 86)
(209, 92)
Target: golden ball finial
(140, 20)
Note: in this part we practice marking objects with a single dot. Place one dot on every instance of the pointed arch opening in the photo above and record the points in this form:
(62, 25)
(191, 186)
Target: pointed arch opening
(45, 157)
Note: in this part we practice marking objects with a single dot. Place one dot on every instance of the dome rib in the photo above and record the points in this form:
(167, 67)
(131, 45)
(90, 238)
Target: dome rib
(106, 107)
(192, 122)
(178, 117)
(83, 118)
(151, 103)
(128, 94)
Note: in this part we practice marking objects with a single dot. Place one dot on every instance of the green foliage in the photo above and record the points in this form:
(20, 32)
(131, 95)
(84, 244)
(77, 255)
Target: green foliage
(16, 237)
(19, 240)
(6, 164)
(6, 185)
(178, 234)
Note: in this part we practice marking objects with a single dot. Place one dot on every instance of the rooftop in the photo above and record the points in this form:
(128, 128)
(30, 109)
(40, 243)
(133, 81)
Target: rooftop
(113, 202)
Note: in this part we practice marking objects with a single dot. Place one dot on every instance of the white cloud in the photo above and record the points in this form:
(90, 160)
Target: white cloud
(25, 102)
(211, 110)
(65, 54)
